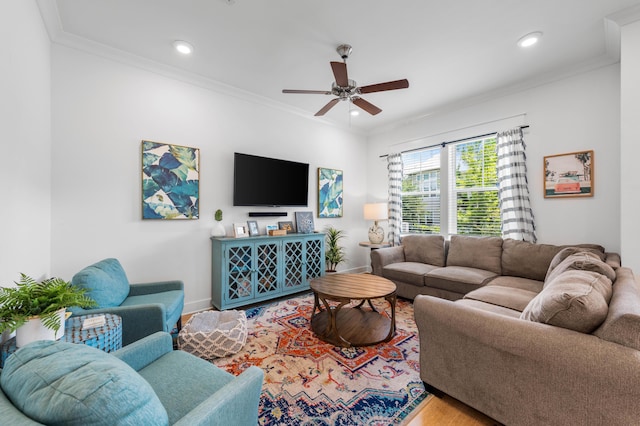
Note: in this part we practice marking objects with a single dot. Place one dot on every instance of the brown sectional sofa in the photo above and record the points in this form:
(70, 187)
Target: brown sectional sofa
(549, 335)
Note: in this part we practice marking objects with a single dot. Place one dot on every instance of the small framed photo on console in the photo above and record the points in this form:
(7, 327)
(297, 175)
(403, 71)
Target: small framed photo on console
(253, 228)
(287, 226)
(304, 222)
(240, 230)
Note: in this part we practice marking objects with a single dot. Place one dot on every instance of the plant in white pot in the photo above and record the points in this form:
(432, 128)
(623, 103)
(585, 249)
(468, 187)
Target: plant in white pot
(218, 227)
(37, 310)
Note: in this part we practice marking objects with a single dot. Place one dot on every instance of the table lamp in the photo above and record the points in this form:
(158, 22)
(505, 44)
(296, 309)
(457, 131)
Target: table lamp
(376, 212)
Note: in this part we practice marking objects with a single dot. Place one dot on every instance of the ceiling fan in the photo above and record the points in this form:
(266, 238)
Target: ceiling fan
(346, 89)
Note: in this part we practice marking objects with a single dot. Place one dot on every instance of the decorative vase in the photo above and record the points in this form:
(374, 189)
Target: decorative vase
(34, 330)
(218, 230)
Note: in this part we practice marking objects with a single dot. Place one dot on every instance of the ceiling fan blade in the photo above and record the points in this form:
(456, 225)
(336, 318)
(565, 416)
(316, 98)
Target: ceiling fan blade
(327, 107)
(340, 73)
(367, 106)
(307, 92)
(381, 87)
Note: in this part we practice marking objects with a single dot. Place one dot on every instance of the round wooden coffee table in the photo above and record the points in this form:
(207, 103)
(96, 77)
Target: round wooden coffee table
(352, 326)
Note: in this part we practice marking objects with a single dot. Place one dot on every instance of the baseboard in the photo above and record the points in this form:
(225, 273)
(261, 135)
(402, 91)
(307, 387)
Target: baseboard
(197, 306)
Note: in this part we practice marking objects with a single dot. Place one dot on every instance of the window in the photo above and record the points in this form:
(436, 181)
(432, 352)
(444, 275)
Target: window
(469, 204)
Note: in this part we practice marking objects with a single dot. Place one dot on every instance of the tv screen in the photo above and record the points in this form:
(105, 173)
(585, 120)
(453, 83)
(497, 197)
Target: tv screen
(262, 181)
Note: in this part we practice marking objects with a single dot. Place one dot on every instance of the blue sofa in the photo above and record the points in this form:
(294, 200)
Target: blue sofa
(144, 308)
(145, 383)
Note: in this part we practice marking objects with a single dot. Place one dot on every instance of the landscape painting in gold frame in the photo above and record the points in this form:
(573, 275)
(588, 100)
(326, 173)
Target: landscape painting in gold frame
(568, 175)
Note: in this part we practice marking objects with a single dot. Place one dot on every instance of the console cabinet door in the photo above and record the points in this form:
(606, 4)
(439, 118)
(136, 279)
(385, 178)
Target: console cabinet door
(314, 258)
(267, 272)
(238, 282)
(293, 265)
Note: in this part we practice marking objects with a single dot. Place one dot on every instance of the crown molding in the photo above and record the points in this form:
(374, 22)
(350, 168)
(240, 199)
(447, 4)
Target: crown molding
(57, 35)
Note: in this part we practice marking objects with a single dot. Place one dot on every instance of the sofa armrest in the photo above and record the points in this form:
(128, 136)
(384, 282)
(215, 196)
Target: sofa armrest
(495, 363)
(236, 403)
(385, 256)
(138, 321)
(155, 287)
(146, 350)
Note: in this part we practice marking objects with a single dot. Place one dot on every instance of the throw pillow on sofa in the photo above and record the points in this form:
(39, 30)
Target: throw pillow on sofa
(578, 259)
(577, 300)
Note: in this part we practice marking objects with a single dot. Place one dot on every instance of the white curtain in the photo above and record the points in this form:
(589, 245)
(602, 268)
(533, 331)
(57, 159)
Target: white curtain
(394, 167)
(513, 190)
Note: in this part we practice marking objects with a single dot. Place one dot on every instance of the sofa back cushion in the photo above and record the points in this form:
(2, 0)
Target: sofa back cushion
(427, 249)
(577, 300)
(476, 252)
(57, 382)
(527, 260)
(578, 260)
(105, 281)
(622, 325)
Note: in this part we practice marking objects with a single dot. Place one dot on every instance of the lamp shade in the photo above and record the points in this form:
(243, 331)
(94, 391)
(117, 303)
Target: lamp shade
(376, 211)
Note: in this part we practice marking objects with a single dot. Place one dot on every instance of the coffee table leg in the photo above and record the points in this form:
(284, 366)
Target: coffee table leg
(332, 325)
(392, 327)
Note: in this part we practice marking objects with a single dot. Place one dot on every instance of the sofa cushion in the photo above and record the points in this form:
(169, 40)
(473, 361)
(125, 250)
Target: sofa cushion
(105, 281)
(622, 324)
(507, 297)
(424, 249)
(57, 382)
(581, 260)
(534, 286)
(459, 279)
(488, 307)
(577, 300)
(527, 260)
(476, 252)
(407, 272)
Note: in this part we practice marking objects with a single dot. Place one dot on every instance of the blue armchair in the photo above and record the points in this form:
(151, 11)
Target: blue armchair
(145, 383)
(144, 308)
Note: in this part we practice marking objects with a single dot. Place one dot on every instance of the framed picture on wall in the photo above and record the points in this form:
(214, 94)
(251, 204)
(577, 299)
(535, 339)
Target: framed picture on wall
(329, 192)
(170, 181)
(568, 175)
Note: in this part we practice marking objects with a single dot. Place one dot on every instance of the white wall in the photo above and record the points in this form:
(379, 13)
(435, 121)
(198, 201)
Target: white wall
(25, 137)
(103, 109)
(574, 114)
(630, 152)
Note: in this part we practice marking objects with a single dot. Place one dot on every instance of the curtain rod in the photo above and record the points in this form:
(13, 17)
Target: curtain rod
(443, 144)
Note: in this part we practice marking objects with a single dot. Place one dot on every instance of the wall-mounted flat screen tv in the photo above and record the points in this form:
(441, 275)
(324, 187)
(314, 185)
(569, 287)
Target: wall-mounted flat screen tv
(262, 181)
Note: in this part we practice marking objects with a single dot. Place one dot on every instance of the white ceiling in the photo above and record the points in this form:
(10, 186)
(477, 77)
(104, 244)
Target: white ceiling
(451, 52)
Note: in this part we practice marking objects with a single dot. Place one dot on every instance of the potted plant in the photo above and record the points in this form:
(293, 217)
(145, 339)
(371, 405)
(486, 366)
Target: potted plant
(334, 253)
(37, 310)
(218, 227)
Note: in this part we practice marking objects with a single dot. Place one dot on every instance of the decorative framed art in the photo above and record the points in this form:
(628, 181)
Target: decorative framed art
(568, 175)
(253, 228)
(329, 192)
(304, 222)
(240, 230)
(170, 181)
(287, 226)
(271, 228)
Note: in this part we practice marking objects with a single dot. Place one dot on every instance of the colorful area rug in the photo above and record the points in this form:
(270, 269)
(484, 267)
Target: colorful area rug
(309, 382)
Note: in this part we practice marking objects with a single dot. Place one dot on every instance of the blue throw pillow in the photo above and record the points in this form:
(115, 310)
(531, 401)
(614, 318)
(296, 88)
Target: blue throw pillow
(105, 281)
(56, 382)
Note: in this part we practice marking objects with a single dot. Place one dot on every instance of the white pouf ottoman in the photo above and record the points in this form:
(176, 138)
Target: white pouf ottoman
(214, 334)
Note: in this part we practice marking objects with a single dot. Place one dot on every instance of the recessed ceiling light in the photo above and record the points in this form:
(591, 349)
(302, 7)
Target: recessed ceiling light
(530, 39)
(183, 47)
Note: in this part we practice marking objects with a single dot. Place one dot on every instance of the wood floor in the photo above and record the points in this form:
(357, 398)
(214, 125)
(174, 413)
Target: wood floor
(435, 411)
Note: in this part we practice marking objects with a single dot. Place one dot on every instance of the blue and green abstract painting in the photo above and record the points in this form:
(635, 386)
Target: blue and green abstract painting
(170, 181)
(329, 192)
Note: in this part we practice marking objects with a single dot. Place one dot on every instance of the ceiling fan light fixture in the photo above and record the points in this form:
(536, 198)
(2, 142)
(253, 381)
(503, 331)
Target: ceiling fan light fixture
(354, 112)
(530, 39)
(183, 47)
